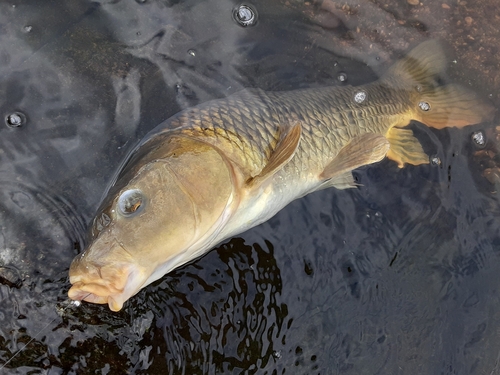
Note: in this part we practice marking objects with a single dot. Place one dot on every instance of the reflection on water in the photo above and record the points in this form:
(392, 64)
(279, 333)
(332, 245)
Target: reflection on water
(231, 318)
(398, 276)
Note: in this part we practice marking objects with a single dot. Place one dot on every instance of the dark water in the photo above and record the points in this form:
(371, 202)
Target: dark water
(399, 276)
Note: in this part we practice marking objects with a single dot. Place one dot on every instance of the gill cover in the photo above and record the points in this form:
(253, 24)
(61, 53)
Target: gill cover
(166, 208)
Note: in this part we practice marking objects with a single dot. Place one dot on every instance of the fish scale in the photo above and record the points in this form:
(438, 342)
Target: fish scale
(250, 129)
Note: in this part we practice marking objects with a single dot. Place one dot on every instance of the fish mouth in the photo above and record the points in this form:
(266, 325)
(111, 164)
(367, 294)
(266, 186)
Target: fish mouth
(104, 284)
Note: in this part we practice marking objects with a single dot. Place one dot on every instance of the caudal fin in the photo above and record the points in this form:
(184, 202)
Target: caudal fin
(434, 105)
(420, 67)
(453, 105)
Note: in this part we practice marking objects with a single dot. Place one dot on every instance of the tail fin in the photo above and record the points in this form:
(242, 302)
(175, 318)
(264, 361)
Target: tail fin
(453, 105)
(436, 106)
(420, 67)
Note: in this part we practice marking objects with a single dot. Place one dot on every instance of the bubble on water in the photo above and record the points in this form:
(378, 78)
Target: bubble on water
(435, 160)
(277, 354)
(27, 28)
(479, 138)
(76, 303)
(184, 90)
(192, 52)
(342, 77)
(424, 106)
(15, 120)
(360, 96)
(245, 15)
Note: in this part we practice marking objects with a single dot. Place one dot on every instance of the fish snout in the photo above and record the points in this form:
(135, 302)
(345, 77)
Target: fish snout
(111, 284)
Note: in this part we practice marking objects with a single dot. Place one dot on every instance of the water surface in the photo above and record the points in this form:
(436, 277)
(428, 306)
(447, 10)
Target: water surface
(396, 277)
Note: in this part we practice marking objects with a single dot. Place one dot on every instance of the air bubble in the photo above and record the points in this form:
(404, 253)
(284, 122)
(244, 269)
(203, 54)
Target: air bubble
(15, 120)
(424, 106)
(192, 52)
(342, 77)
(27, 28)
(184, 90)
(244, 15)
(435, 160)
(478, 138)
(360, 96)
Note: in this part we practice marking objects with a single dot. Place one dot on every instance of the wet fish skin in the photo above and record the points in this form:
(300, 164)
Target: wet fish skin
(220, 168)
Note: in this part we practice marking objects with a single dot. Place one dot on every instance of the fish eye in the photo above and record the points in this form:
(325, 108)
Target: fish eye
(131, 202)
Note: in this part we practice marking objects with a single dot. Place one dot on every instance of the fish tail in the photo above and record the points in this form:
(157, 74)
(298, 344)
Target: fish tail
(434, 105)
(453, 105)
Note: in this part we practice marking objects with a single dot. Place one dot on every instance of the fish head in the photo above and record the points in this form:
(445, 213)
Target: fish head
(164, 215)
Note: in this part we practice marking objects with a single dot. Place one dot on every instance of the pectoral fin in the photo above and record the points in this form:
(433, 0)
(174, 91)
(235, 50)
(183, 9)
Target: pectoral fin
(282, 154)
(365, 149)
(405, 148)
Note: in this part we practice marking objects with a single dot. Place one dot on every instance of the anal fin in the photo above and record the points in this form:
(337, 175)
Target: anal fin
(362, 150)
(405, 148)
(282, 154)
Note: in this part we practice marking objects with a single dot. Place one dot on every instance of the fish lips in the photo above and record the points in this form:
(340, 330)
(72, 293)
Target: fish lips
(111, 283)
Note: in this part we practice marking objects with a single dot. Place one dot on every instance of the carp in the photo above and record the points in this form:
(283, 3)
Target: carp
(227, 165)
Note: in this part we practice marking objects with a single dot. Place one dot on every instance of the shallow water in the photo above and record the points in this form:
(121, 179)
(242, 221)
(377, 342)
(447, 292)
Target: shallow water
(396, 277)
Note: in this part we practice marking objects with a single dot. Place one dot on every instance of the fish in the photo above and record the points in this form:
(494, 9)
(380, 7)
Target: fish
(224, 166)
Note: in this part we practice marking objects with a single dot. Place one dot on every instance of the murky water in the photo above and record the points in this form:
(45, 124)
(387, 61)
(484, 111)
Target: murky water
(399, 276)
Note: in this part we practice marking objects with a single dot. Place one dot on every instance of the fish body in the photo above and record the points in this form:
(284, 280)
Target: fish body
(220, 168)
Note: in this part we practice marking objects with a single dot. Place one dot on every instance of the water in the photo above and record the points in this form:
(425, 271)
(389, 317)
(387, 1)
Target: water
(395, 277)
